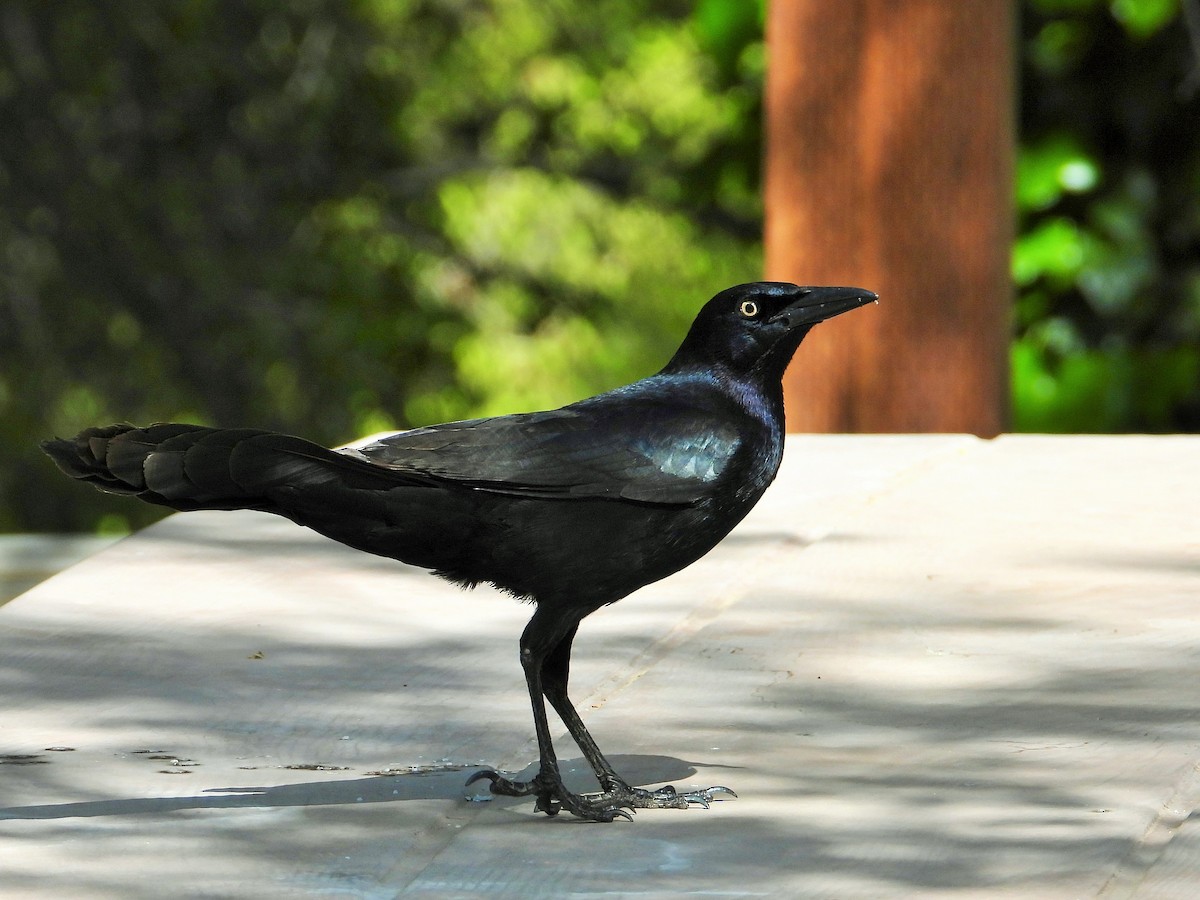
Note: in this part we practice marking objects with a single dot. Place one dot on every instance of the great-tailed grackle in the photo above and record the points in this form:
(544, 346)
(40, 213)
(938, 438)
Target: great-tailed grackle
(572, 508)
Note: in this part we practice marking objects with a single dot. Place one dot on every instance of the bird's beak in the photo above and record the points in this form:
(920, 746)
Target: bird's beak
(816, 304)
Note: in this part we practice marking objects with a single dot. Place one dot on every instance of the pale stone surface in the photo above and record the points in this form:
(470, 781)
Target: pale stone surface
(27, 559)
(930, 666)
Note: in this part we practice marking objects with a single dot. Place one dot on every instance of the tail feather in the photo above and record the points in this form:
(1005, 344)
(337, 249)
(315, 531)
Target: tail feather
(207, 462)
(86, 457)
(405, 515)
(193, 467)
(151, 460)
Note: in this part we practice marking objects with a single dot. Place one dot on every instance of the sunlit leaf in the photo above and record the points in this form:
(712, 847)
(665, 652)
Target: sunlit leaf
(1051, 167)
(1143, 18)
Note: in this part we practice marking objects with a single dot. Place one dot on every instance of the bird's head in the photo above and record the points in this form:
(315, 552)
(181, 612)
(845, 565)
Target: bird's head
(755, 328)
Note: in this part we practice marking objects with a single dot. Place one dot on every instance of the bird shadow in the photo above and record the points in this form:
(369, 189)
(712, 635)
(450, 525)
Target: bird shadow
(420, 783)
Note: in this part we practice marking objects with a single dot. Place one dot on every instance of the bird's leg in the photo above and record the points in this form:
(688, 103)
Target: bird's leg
(614, 789)
(555, 674)
(544, 632)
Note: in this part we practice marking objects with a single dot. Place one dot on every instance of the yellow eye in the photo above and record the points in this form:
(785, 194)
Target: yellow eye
(749, 309)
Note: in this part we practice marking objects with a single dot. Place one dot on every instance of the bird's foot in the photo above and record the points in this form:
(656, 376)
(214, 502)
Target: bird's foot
(619, 793)
(553, 797)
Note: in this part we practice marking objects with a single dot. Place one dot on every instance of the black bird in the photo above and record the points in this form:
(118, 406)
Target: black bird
(572, 508)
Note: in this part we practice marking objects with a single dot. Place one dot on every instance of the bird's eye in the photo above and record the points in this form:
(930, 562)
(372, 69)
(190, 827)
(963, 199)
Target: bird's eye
(749, 309)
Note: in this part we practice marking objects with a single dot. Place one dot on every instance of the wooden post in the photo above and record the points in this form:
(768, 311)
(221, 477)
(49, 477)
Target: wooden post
(889, 164)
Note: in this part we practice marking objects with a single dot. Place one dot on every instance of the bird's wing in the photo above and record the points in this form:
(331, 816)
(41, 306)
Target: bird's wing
(643, 451)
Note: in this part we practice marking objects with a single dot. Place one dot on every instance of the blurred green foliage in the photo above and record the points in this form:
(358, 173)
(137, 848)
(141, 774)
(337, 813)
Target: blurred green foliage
(336, 217)
(341, 216)
(1107, 259)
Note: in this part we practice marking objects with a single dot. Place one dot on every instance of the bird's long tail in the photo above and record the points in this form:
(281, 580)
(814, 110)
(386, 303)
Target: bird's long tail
(340, 495)
(190, 467)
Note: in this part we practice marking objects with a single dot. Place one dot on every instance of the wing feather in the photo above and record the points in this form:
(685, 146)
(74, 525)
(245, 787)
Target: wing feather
(638, 449)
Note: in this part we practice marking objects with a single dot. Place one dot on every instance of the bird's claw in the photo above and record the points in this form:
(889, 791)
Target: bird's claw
(618, 799)
(553, 797)
(666, 797)
(704, 796)
(503, 786)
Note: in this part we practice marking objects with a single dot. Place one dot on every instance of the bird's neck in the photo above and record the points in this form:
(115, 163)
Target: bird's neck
(761, 398)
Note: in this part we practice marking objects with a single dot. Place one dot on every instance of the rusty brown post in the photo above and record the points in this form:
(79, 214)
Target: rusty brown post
(889, 131)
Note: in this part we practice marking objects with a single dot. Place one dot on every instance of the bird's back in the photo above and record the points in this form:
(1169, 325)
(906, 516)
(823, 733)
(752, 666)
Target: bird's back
(583, 504)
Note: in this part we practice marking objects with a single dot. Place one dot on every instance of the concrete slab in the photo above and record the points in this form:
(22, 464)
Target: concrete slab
(27, 559)
(930, 666)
